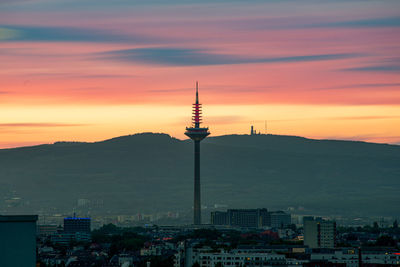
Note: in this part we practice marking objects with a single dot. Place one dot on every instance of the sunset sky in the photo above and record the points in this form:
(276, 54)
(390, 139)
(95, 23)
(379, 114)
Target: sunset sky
(88, 70)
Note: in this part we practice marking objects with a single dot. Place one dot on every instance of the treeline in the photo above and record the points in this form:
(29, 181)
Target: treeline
(120, 238)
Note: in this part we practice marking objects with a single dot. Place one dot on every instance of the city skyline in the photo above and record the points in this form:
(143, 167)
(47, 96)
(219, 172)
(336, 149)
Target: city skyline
(75, 71)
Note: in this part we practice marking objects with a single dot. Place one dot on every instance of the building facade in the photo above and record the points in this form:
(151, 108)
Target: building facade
(18, 240)
(219, 218)
(279, 219)
(251, 218)
(319, 233)
(76, 225)
(45, 230)
(75, 229)
(351, 258)
(248, 218)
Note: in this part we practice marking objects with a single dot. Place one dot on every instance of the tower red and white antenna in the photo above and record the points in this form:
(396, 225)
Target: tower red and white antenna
(197, 117)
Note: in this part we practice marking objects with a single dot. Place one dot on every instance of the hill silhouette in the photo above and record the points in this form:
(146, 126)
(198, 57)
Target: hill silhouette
(154, 172)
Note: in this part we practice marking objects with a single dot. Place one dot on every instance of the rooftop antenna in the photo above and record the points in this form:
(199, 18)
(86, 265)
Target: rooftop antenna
(265, 126)
(197, 92)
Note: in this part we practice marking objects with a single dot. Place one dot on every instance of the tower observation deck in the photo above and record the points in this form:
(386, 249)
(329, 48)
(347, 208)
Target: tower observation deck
(197, 133)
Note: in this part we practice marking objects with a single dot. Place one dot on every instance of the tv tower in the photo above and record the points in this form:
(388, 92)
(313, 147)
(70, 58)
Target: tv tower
(197, 133)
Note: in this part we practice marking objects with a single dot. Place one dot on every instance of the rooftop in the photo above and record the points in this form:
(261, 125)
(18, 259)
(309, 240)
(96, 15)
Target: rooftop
(18, 218)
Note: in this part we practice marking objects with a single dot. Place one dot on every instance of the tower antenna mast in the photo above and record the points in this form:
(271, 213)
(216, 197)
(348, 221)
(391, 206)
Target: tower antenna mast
(265, 126)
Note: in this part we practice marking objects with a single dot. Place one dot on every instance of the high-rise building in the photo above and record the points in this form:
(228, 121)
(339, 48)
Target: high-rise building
(18, 240)
(279, 219)
(197, 133)
(244, 217)
(219, 218)
(76, 225)
(251, 218)
(75, 229)
(319, 233)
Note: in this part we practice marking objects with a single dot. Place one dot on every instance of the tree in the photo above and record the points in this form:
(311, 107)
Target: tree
(386, 241)
(375, 228)
(292, 227)
(395, 224)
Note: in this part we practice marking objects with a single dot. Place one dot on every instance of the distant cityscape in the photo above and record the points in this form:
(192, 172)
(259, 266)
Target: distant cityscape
(233, 237)
(199, 236)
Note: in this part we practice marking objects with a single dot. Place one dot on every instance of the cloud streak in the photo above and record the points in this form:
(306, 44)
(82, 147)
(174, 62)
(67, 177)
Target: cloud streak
(362, 86)
(363, 23)
(39, 124)
(365, 118)
(23, 33)
(375, 68)
(284, 23)
(196, 57)
(78, 75)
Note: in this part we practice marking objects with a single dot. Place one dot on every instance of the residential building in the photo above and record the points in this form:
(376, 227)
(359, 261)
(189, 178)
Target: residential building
(319, 233)
(243, 218)
(350, 257)
(219, 218)
(45, 230)
(251, 218)
(75, 229)
(279, 219)
(76, 225)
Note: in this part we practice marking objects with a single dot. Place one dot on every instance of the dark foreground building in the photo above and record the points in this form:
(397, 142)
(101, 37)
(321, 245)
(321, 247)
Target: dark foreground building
(197, 133)
(18, 240)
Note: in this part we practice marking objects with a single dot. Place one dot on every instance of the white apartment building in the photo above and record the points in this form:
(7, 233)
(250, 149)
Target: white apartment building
(351, 258)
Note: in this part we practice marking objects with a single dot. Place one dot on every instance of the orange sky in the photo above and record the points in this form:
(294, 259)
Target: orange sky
(322, 70)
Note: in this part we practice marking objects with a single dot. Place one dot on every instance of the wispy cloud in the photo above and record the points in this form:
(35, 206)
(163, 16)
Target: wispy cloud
(226, 119)
(375, 68)
(365, 118)
(65, 34)
(78, 75)
(176, 90)
(361, 86)
(40, 124)
(334, 118)
(214, 120)
(198, 57)
(218, 88)
(362, 23)
(299, 22)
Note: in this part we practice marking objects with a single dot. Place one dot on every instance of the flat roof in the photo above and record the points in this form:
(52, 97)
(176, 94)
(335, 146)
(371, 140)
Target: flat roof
(18, 218)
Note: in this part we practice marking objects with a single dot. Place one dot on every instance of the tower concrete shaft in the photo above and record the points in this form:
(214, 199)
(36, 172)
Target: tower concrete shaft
(197, 195)
(197, 133)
